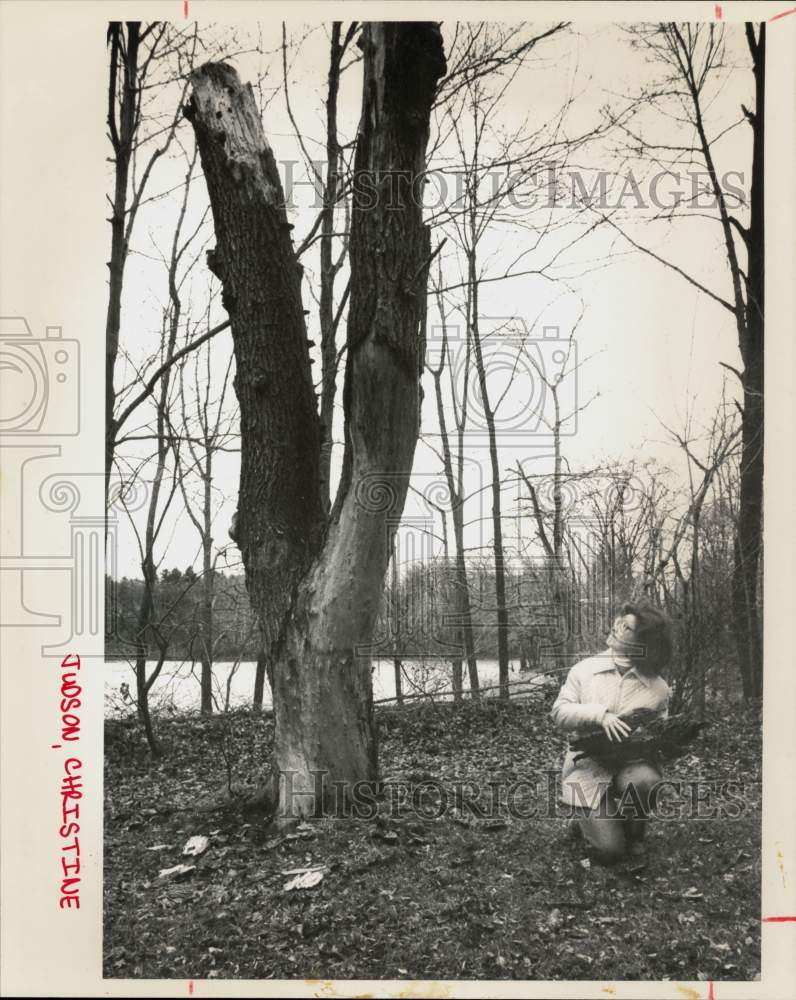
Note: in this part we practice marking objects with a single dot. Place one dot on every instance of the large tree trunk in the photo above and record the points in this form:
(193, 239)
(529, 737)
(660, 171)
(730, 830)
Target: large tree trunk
(316, 584)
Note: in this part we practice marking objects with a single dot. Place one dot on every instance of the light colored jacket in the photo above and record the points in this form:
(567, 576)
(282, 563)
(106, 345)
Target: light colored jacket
(593, 687)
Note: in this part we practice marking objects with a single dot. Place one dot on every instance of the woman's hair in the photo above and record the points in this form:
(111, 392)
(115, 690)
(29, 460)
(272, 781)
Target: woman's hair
(654, 634)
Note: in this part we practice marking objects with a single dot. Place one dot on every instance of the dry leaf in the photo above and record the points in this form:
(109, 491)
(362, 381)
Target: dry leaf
(692, 893)
(195, 846)
(305, 881)
(176, 871)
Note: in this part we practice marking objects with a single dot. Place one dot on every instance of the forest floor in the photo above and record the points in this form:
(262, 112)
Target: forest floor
(446, 890)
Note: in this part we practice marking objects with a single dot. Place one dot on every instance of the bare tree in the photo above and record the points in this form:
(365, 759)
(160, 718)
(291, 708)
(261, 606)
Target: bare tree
(330, 315)
(159, 501)
(550, 520)
(316, 580)
(692, 57)
(702, 472)
(136, 55)
(161, 491)
(207, 429)
(395, 601)
(333, 183)
(456, 491)
(492, 164)
(145, 61)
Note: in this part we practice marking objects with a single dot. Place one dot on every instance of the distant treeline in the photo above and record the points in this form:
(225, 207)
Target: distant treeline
(179, 616)
(418, 619)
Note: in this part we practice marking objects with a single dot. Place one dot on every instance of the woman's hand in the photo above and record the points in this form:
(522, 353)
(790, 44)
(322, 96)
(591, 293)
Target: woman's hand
(615, 729)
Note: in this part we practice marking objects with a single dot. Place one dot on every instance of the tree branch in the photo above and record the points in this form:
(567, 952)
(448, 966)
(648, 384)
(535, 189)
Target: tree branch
(165, 367)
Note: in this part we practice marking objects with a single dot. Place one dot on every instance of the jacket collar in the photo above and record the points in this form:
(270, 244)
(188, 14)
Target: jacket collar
(607, 665)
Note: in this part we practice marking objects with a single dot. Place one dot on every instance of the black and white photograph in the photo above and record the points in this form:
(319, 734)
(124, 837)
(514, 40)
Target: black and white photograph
(413, 522)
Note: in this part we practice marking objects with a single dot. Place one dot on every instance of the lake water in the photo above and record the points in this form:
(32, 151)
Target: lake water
(176, 689)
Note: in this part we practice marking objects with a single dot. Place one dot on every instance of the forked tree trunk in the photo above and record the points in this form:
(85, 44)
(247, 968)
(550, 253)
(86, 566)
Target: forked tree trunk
(316, 582)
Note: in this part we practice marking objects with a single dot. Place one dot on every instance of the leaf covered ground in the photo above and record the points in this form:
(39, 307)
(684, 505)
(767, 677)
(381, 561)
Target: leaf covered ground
(462, 874)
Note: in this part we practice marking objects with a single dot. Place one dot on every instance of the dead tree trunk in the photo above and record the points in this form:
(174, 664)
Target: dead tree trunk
(316, 582)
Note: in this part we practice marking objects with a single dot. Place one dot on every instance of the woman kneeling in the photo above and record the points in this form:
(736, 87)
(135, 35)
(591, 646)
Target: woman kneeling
(611, 800)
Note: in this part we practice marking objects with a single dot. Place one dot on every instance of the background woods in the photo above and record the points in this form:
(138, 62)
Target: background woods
(532, 510)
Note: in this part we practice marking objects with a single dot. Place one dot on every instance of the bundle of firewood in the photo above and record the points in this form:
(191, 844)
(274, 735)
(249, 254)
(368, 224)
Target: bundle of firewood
(651, 738)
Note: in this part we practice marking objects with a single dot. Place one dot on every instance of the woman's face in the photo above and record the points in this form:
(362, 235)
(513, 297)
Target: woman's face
(622, 637)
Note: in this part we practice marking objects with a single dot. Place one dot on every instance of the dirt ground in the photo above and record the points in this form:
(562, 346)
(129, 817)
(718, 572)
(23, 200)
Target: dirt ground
(456, 885)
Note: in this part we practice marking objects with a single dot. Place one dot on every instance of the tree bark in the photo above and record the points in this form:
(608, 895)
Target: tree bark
(316, 583)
